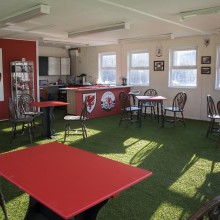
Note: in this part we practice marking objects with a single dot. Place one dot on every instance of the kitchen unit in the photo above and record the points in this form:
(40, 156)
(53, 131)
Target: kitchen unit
(101, 100)
(54, 66)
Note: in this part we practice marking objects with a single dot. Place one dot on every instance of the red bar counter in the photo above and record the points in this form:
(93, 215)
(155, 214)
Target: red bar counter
(101, 100)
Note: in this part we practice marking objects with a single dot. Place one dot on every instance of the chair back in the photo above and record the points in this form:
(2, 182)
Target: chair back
(179, 101)
(13, 115)
(124, 100)
(211, 110)
(25, 101)
(150, 92)
(218, 107)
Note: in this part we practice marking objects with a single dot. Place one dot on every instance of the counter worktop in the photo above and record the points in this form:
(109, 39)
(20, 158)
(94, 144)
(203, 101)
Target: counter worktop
(88, 88)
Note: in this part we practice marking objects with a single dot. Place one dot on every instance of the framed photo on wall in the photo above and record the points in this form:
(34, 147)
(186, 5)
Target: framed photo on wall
(206, 60)
(206, 70)
(159, 65)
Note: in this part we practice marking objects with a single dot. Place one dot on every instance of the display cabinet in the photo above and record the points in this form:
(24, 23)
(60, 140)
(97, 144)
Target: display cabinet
(22, 79)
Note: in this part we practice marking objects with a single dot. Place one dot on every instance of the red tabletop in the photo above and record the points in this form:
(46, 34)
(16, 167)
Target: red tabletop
(150, 98)
(44, 104)
(66, 179)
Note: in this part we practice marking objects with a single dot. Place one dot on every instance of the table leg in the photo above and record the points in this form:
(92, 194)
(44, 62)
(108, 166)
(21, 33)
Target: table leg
(91, 214)
(140, 105)
(158, 115)
(48, 119)
(38, 211)
(162, 114)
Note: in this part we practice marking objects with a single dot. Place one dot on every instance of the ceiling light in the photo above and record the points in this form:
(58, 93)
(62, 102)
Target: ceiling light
(63, 41)
(112, 27)
(189, 14)
(25, 15)
(154, 37)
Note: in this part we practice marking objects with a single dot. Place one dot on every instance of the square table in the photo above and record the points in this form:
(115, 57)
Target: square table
(157, 99)
(64, 181)
(47, 116)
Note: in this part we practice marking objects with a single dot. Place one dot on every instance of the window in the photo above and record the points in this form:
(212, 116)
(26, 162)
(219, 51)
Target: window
(217, 84)
(183, 67)
(138, 68)
(107, 68)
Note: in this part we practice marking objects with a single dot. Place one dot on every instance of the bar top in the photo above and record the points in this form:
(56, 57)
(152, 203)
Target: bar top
(86, 88)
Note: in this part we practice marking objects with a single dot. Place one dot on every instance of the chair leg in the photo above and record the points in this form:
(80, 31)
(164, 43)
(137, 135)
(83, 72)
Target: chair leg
(2, 204)
(174, 122)
(163, 118)
(211, 124)
(183, 119)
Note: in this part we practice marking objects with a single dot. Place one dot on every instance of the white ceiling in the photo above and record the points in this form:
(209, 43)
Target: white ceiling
(146, 18)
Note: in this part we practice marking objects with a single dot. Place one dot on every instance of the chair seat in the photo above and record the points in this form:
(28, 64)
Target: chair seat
(132, 108)
(33, 113)
(214, 116)
(72, 117)
(173, 109)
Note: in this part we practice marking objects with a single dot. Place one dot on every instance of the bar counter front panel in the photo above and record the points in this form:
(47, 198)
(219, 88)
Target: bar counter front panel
(101, 101)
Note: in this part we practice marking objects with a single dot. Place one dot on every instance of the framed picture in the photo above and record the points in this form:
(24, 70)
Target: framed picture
(206, 70)
(206, 60)
(159, 65)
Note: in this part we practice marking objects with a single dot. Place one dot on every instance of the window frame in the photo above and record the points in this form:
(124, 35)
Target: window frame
(172, 67)
(100, 60)
(129, 68)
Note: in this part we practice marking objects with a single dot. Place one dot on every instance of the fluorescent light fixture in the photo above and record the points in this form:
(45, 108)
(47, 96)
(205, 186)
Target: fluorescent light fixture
(189, 14)
(62, 41)
(146, 38)
(25, 15)
(112, 27)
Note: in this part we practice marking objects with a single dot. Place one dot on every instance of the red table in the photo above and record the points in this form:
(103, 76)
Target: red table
(47, 120)
(64, 181)
(157, 99)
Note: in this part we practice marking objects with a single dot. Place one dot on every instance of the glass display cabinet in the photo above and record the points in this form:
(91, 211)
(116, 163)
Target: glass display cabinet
(22, 79)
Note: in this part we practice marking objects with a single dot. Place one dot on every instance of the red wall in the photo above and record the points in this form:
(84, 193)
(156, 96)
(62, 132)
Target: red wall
(14, 50)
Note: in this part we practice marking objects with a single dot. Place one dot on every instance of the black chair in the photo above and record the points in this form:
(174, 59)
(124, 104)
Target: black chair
(15, 119)
(179, 102)
(213, 115)
(81, 118)
(2, 204)
(26, 108)
(128, 111)
(151, 105)
(210, 210)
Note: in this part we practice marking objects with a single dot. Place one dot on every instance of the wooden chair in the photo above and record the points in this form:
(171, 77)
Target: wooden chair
(210, 210)
(128, 110)
(151, 105)
(179, 102)
(81, 118)
(15, 119)
(213, 115)
(27, 109)
(2, 204)
(218, 109)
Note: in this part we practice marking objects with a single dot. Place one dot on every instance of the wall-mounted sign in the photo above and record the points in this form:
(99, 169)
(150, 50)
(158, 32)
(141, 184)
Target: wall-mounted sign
(108, 101)
(91, 101)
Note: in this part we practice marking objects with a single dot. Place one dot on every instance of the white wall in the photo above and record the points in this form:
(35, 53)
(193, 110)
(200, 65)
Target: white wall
(196, 103)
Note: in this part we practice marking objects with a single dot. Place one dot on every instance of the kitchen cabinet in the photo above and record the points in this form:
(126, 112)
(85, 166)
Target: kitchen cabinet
(43, 66)
(65, 66)
(22, 79)
(53, 66)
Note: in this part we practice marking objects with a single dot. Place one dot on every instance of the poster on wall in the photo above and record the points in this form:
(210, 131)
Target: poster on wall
(1, 78)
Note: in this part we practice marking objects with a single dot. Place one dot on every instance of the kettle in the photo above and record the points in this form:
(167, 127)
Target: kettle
(83, 78)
